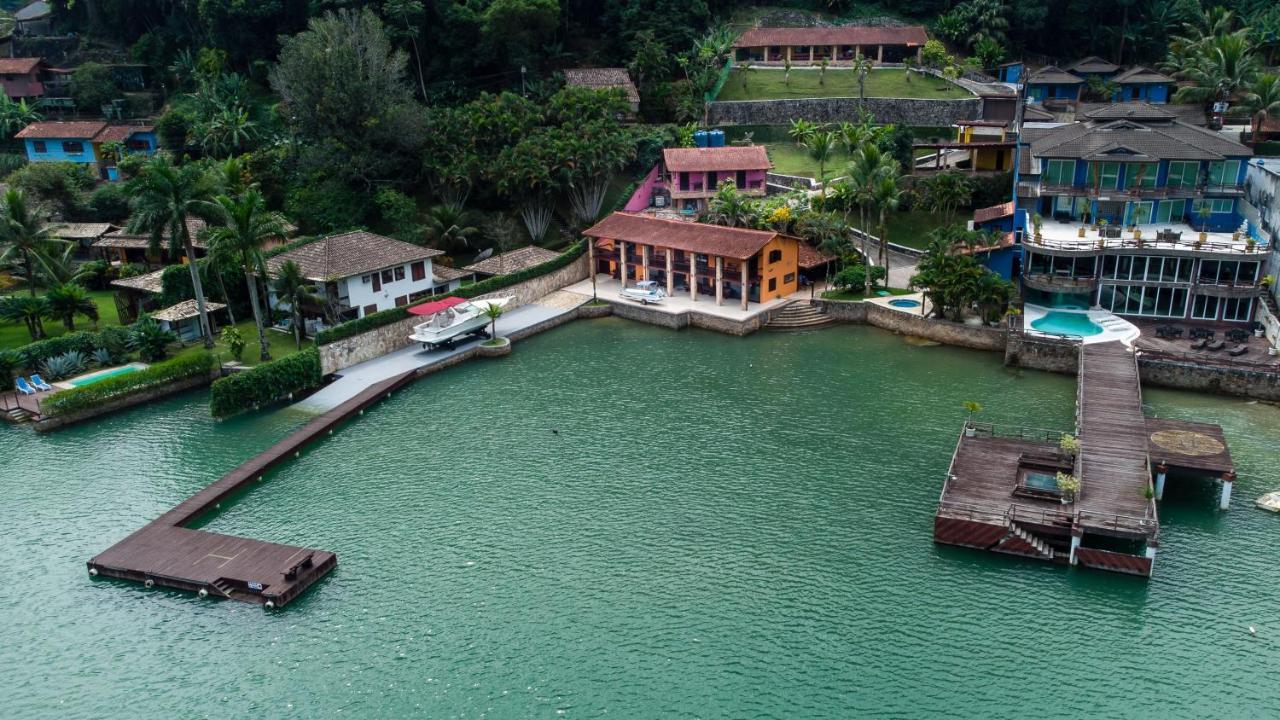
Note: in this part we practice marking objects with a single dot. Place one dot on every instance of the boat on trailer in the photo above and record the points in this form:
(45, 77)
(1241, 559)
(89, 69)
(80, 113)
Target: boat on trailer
(452, 320)
(645, 292)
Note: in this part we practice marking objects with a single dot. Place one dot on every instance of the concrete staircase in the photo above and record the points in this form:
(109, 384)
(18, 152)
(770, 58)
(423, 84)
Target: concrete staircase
(18, 415)
(1040, 546)
(800, 315)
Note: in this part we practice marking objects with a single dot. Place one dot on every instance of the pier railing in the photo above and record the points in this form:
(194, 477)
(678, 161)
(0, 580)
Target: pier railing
(1016, 432)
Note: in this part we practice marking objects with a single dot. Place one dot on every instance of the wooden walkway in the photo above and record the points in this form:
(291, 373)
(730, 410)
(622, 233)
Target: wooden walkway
(1114, 471)
(166, 553)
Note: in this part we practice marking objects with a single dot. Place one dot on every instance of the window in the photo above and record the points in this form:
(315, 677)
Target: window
(1204, 307)
(775, 256)
(399, 272)
(789, 278)
(1140, 175)
(773, 284)
(72, 147)
(39, 146)
(1141, 213)
(1171, 211)
(1059, 172)
(418, 270)
(1217, 206)
(1237, 309)
(1107, 175)
(1183, 174)
(1144, 301)
(1248, 273)
(370, 309)
(1226, 172)
(402, 301)
(364, 279)
(386, 276)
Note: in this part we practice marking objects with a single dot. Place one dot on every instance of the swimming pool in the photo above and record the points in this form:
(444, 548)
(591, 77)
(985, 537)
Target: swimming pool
(905, 303)
(94, 377)
(1068, 324)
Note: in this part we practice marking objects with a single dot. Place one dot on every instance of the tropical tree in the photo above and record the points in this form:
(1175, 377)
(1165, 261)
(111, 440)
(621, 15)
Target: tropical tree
(821, 147)
(945, 192)
(292, 289)
(69, 300)
(165, 199)
(886, 196)
(15, 115)
(493, 311)
(866, 170)
(1262, 98)
(1217, 69)
(245, 225)
(801, 129)
(731, 208)
(450, 228)
(24, 235)
(30, 311)
(406, 17)
(861, 66)
(227, 131)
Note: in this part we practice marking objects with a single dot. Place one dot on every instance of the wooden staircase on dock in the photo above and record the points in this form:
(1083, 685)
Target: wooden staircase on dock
(1040, 546)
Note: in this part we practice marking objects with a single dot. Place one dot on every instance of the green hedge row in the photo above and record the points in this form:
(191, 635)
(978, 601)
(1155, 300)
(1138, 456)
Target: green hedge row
(103, 391)
(493, 284)
(32, 354)
(265, 384)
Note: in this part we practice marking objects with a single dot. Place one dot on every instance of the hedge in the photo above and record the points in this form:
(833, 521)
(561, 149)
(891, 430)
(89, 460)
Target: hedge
(265, 384)
(103, 391)
(493, 284)
(32, 354)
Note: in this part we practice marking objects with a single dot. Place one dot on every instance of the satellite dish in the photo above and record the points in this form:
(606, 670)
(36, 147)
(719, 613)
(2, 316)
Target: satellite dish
(484, 255)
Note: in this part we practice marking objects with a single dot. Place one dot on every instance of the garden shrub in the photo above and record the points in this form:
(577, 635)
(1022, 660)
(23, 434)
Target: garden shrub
(113, 388)
(110, 203)
(31, 355)
(493, 284)
(265, 384)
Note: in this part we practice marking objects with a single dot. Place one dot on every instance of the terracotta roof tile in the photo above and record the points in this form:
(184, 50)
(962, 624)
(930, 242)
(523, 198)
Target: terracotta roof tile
(910, 35)
(735, 243)
(349, 254)
(995, 212)
(120, 133)
(74, 130)
(185, 309)
(80, 231)
(811, 257)
(750, 157)
(603, 78)
(18, 66)
(513, 261)
(148, 282)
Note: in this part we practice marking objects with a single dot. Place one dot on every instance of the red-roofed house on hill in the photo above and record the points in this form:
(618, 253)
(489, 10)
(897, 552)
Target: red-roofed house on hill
(695, 258)
(81, 141)
(688, 177)
(835, 45)
(22, 77)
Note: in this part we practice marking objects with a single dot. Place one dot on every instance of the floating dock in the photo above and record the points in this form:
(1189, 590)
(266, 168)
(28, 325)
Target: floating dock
(1001, 494)
(165, 553)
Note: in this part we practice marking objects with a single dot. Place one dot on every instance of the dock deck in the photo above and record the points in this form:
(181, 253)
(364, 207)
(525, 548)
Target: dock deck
(1001, 494)
(164, 552)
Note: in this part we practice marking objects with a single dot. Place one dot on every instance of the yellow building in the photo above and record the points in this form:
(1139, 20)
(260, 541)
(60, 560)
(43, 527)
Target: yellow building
(708, 260)
(978, 146)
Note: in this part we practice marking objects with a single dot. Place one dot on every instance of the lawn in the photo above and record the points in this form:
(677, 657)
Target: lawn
(768, 84)
(15, 335)
(791, 159)
(280, 344)
(911, 228)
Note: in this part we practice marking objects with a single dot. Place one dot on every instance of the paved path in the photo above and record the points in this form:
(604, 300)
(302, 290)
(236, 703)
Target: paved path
(353, 380)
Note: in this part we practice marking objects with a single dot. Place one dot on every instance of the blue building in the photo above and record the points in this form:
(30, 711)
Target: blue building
(89, 142)
(1052, 83)
(1143, 84)
(1139, 213)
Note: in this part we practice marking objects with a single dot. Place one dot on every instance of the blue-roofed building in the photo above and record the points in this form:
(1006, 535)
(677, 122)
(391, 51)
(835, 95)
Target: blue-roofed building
(88, 142)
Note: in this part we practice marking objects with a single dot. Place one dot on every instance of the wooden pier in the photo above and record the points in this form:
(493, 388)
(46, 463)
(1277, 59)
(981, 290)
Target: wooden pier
(1001, 493)
(165, 553)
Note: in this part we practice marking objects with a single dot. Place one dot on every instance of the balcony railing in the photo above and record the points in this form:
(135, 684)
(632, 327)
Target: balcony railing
(1049, 282)
(1167, 191)
(1093, 243)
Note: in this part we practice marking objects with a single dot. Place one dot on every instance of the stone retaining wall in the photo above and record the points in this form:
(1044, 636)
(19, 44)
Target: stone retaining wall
(389, 338)
(53, 422)
(689, 318)
(1215, 379)
(1035, 353)
(911, 112)
(977, 337)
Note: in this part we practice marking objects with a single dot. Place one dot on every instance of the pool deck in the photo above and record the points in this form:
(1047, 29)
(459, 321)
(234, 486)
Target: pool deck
(983, 503)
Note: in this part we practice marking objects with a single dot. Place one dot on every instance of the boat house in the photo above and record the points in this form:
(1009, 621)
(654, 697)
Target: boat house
(712, 261)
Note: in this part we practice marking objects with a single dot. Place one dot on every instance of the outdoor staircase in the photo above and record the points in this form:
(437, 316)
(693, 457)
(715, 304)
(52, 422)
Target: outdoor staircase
(1040, 546)
(223, 587)
(800, 315)
(1270, 302)
(18, 415)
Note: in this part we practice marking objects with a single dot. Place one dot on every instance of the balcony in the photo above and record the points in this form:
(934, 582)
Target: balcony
(1048, 282)
(1066, 239)
(1228, 290)
(1144, 193)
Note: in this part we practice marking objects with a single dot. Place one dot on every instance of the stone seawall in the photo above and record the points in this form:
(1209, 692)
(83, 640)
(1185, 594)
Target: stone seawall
(389, 338)
(1214, 379)
(977, 337)
(678, 321)
(912, 112)
(53, 422)
(1035, 353)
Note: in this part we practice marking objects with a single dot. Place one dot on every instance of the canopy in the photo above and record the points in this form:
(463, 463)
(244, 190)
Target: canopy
(436, 306)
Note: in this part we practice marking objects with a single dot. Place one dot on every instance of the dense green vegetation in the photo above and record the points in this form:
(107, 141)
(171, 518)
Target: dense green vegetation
(265, 383)
(121, 386)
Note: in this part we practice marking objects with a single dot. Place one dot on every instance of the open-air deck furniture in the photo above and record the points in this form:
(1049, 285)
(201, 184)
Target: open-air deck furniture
(1199, 344)
(1238, 350)
(1199, 332)
(1236, 335)
(39, 384)
(1168, 332)
(20, 384)
(1216, 345)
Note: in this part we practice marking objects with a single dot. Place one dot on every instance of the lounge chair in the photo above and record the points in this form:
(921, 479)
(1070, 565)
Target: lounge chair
(40, 384)
(1199, 344)
(1216, 345)
(1238, 350)
(21, 385)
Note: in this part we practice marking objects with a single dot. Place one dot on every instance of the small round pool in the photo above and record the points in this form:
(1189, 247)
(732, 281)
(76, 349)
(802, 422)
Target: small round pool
(1067, 324)
(905, 303)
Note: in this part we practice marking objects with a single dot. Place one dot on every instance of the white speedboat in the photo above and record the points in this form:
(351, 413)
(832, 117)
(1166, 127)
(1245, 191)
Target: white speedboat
(644, 292)
(452, 320)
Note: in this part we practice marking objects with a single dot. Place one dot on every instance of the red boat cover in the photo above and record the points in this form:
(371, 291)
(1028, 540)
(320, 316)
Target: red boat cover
(436, 306)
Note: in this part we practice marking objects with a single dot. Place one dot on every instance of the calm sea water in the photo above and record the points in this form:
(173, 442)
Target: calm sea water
(721, 527)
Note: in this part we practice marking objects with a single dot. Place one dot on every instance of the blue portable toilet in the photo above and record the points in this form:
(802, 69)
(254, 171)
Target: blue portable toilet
(717, 138)
(702, 139)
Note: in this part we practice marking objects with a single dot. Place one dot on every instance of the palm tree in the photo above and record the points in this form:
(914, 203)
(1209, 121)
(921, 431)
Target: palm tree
(246, 225)
(862, 65)
(1263, 100)
(887, 195)
(868, 167)
(15, 115)
(450, 228)
(821, 147)
(165, 199)
(801, 129)
(945, 192)
(29, 311)
(493, 312)
(69, 300)
(292, 289)
(731, 208)
(24, 235)
(227, 131)
(1219, 68)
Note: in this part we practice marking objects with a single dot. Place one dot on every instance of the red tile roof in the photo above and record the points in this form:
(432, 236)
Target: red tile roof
(750, 157)
(18, 66)
(603, 78)
(995, 212)
(811, 257)
(734, 243)
(911, 35)
(94, 130)
(349, 254)
(120, 133)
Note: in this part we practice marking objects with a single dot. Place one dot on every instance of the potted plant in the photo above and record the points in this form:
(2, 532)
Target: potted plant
(974, 408)
(1069, 486)
(1273, 351)
(1069, 444)
(1250, 245)
(1037, 222)
(1080, 231)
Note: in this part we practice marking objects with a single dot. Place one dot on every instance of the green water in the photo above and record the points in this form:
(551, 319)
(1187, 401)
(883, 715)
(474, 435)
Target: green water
(723, 527)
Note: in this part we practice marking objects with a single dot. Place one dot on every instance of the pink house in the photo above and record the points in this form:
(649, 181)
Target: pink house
(688, 177)
(21, 77)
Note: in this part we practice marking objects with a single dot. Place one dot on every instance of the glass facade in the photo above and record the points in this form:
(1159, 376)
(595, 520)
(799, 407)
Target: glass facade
(1183, 174)
(1059, 172)
(1144, 301)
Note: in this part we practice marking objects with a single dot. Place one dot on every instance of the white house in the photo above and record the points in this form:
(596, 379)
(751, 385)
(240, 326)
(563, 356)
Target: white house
(358, 273)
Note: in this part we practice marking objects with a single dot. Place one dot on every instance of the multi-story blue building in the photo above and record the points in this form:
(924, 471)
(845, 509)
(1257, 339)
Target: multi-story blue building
(1139, 213)
(88, 142)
